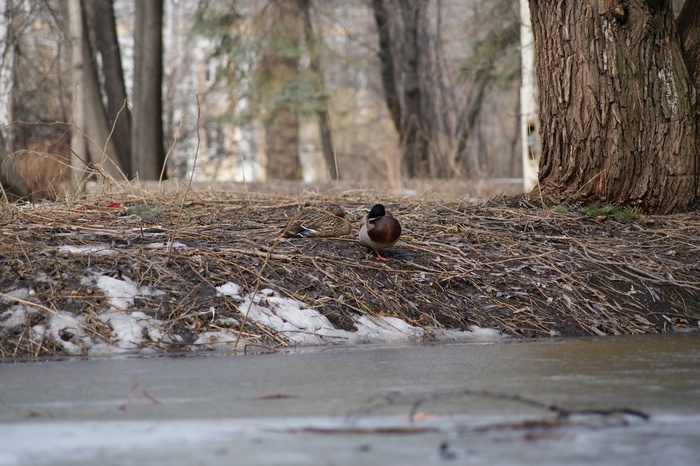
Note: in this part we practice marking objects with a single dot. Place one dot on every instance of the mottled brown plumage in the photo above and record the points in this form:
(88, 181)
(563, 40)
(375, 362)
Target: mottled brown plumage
(314, 221)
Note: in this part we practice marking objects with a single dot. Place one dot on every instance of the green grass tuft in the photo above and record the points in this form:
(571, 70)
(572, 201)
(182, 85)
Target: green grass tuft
(143, 211)
(626, 215)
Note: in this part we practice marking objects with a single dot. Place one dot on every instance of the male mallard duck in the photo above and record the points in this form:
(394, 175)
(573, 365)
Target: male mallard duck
(314, 221)
(379, 229)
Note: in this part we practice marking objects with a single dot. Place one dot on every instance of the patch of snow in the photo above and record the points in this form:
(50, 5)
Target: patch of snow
(121, 293)
(130, 330)
(385, 329)
(230, 289)
(41, 205)
(163, 245)
(66, 330)
(96, 250)
(19, 293)
(222, 340)
(42, 277)
(475, 333)
(15, 316)
(127, 329)
(286, 317)
(301, 325)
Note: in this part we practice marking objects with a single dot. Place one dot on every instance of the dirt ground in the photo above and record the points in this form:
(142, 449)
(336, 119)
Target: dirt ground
(503, 263)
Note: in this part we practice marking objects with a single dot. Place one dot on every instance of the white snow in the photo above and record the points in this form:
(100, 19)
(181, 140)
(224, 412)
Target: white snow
(14, 316)
(66, 330)
(163, 245)
(121, 293)
(221, 340)
(301, 325)
(97, 250)
(229, 289)
(130, 330)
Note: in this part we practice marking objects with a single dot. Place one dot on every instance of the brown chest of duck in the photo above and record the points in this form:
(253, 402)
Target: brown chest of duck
(379, 230)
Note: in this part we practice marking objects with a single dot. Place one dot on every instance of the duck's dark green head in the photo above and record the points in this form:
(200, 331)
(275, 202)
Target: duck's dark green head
(376, 211)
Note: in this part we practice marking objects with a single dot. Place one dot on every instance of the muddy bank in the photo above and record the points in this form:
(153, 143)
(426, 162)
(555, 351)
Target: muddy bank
(105, 269)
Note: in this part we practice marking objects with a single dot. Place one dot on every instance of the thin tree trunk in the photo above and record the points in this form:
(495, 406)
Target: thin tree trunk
(496, 41)
(276, 69)
(387, 62)
(282, 141)
(399, 57)
(324, 118)
(616, 105)
(415, 159)
(79, 155)
(115, 88)
(102, 149)
(10, 181)
(148, 155)
(12, 184)
(90, 140)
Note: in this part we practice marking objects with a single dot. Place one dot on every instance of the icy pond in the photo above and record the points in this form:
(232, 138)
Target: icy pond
(603, 400)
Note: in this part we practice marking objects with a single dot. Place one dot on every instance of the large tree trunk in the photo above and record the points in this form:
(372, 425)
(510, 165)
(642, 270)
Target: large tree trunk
(148, 155)
(616, 105)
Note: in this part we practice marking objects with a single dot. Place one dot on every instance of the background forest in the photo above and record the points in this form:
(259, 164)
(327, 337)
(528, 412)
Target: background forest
(264, 90)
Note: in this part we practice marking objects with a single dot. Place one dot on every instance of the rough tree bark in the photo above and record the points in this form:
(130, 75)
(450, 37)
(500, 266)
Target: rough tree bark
(616, 105)
(689, 31)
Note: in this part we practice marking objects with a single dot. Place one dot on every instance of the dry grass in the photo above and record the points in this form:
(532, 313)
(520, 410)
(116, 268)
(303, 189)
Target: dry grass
(503, 264)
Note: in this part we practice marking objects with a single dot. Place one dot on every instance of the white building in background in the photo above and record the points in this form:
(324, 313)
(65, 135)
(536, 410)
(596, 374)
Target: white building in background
(529, 123)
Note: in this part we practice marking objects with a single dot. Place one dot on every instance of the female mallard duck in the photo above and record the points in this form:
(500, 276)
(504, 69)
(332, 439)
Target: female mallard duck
(314, 221)
(379, 229)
